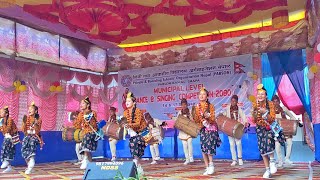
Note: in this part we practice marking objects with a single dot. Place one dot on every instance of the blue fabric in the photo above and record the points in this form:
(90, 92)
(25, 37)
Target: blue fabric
(307, 85)
(267, 78)
(276, 68)
(316, 130)
(101, 124)
(293, 63)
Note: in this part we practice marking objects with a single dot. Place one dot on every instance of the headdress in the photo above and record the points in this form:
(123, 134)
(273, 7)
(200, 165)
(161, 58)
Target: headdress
(87, 100)
(33, 103)
(131, 96)
(6, 108)
(203, 89)
(260, 87)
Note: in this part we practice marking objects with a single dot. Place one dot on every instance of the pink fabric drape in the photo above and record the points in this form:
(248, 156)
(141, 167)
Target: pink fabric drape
(11, 70)
(53, 106)
(81, 77)
(10, 99)
(75, 93)
(95, 79)
(289, 97)
(47, 107)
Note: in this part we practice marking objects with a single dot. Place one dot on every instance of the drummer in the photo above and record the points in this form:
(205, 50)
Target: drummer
(113, 142)
(209, 136)
(185, 138)
(234, 112)
(154, 146)
(283, 112)
(136, 125)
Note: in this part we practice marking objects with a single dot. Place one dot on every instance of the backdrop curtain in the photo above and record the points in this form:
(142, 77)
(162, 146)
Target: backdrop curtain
(293, 63)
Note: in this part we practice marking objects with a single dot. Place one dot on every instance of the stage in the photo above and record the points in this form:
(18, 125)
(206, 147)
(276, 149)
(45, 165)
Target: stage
(174, 169)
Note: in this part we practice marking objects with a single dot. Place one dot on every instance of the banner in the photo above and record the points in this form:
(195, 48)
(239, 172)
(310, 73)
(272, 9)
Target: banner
(82, 55)
(159, 89)
(254, 41)
(43, 46)
(7, 36)
(37, 45)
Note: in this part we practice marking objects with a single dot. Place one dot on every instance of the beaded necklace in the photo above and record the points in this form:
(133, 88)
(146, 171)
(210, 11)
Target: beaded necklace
(129, 117)
(30, 121)
(200, 112)
(260, 120)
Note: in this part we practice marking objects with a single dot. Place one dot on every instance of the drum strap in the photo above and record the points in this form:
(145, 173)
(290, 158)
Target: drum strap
(99, 133)
(275, 126)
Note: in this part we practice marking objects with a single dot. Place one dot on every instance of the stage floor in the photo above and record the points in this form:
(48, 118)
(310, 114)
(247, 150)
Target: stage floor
(174, 169)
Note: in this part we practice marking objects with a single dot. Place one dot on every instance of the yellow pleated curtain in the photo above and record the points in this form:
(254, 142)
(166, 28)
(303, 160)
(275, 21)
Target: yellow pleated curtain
(7, 3)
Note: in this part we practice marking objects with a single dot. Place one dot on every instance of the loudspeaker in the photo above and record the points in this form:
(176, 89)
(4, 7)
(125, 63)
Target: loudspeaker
(109, 170)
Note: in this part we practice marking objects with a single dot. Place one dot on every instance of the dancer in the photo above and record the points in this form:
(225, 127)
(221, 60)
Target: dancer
(234, 112)
(154, 125)
(185, 138)
(9, 130)
(209, 136)
(264, 115)
(87, 121)
(135, 126)
(283, 112)
(113, 142)
(31, 127)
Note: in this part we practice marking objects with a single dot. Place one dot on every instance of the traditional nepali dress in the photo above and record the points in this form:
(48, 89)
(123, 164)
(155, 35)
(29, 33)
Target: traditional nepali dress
(32, 137)
(136, 143)
(266, 137)
(209, 136)
(88, 123)
(9, 130)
